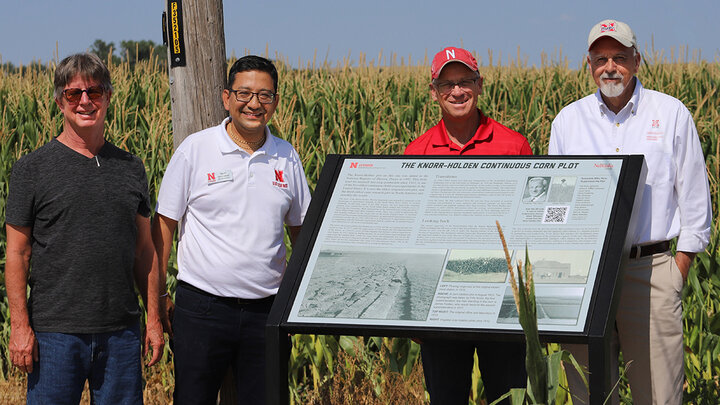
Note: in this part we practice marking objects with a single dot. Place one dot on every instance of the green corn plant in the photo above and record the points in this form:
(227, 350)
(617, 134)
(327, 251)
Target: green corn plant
(544, 371)
(374, 108)
(701, 320)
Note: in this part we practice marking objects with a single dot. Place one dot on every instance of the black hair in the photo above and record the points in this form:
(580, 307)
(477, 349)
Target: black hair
(252, 62)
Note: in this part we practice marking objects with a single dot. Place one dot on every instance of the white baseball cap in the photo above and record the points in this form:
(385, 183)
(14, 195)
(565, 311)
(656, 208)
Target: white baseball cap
(617, 30)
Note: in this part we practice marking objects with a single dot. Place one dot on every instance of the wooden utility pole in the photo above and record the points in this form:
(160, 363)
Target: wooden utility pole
(197, 64)
(195, 37)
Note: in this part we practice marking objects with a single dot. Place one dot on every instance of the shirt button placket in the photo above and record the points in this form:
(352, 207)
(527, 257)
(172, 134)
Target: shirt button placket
(616, 136)
(250, 174)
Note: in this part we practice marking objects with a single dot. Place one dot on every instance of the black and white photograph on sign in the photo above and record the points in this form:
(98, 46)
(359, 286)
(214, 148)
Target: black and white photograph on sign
(359, 283)
(536, 189)
(555, 306)
(561, 266)
(562, 189)
(476, 266)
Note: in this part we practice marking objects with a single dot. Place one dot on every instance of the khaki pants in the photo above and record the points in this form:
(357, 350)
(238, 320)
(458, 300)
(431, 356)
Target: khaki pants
(649, 328)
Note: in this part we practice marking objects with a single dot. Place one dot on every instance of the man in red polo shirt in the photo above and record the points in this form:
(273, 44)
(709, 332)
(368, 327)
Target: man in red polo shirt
(464, 130)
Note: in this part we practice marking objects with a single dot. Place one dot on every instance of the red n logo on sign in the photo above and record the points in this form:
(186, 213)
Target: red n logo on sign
(279, 176)
(211, 176)
(353, 165)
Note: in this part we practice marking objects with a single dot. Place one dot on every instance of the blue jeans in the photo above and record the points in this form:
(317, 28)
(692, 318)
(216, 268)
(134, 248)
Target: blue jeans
(211, 334)
(110, 362)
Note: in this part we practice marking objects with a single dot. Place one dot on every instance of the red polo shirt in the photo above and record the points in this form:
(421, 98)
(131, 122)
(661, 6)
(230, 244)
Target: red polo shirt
(491, 138)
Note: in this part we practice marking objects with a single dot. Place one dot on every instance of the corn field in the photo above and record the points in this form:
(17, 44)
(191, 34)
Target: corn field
(368, 109)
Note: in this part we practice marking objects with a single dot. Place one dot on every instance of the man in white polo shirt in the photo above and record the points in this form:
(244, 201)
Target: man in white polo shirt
(623, 117)
(232, 188)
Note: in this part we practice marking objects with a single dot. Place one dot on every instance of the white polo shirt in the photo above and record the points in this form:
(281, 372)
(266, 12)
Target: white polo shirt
(676, 199)
(232, 207)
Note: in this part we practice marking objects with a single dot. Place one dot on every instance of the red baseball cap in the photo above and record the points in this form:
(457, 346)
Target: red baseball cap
(451, 54)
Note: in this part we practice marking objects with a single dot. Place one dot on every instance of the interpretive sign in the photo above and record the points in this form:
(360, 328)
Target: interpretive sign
(413, 242)
(408, 246)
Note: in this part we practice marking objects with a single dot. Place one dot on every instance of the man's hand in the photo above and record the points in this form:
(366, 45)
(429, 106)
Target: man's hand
(23, 348)
(683, 261)
(167, 310)
(154, 338)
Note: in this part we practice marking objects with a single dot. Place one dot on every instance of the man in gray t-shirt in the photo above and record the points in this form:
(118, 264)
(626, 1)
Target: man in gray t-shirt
(78, 211)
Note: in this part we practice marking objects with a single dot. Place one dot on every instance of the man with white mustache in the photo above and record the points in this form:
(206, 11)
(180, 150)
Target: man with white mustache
(611, 84)
(623, 118)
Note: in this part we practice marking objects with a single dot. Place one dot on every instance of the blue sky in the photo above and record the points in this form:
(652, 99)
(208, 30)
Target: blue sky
(300, 29)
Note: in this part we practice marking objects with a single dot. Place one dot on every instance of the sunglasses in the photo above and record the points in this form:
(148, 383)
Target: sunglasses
(73, 95)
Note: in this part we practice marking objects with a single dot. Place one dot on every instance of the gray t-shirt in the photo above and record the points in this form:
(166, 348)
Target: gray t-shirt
(82, 212)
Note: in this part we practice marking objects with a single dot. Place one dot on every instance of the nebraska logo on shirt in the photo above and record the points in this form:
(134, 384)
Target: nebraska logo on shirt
(655, 133)
(607, 27)
(279, 180)
(219, 177)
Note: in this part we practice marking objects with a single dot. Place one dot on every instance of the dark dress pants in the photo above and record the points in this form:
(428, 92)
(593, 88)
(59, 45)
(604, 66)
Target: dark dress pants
(211, 334)
(448, 369)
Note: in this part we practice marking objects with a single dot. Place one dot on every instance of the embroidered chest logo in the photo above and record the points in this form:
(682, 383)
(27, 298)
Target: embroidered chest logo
(279, 179)
(655, 134)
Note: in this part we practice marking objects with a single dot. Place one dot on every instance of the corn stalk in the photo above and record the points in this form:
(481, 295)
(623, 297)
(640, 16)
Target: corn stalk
(544, 371)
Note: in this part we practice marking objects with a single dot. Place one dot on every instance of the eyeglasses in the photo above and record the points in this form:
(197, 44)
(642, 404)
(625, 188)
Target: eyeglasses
(244, 96)
(73, 95)
(445, 87)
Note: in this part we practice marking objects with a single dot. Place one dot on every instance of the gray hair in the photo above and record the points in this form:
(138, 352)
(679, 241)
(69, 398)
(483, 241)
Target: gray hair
(86, 65)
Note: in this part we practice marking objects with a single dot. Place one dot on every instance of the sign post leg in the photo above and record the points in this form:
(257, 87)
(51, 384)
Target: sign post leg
(277, 354)
(599, 352)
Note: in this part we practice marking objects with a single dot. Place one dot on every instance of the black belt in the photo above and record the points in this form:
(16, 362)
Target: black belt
(230, 300)
(647, 250)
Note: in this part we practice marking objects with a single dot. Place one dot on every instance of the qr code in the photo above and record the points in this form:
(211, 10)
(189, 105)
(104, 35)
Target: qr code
(555, 215)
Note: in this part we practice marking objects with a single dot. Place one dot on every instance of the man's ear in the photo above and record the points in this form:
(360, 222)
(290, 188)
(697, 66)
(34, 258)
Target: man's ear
(433, 92)
(226, 99)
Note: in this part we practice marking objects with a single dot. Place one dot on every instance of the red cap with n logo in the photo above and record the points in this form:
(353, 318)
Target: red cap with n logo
(451, 54)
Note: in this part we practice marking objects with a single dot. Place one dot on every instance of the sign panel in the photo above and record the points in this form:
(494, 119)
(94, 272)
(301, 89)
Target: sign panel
(412, 242)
